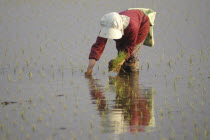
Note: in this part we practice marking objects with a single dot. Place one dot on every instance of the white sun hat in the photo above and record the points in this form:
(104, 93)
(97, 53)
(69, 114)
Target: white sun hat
(112, 26)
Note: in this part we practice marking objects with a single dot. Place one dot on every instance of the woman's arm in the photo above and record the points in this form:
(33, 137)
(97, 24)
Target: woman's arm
(90, 67)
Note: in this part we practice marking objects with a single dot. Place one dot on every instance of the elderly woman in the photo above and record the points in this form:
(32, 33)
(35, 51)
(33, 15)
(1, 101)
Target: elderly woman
(129, 29)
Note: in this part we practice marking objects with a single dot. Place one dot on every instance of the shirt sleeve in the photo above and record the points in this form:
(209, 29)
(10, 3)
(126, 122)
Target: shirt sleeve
(97, 48)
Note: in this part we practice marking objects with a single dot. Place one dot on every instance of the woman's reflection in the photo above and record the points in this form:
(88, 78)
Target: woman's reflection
(133, 106)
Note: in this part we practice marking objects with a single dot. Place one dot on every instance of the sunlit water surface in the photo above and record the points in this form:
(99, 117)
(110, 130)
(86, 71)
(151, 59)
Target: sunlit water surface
(44, 48)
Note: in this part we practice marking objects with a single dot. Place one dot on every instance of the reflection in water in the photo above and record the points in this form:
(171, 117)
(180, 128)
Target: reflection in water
(133, 106)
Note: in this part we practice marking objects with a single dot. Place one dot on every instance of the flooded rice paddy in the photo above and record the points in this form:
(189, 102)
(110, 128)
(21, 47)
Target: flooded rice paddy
(44, 48)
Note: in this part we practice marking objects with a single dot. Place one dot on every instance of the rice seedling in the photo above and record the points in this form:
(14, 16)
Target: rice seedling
(175, 85)
(7, 90)
(74, 137)
(191, 59)
(23, 51)
(75, 112)
(19, 89)
(6, 116)
(41, 97)
(30, 75)
(91, 124)
(65, 107)
(23, 114)
(28, 136)
(20, 74)
(40, 118)
(206, 134)
(183, 95)
(182, 53)
(5, 51)
(9, 78)
(1, 126)
(44, 110)
(190, 81)
(148, 66)
(42, 74)
(27, 63)
(169, 63)
(161, 114)
(34, 127)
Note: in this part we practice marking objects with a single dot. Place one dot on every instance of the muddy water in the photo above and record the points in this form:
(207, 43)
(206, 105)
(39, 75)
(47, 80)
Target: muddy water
(44, 47)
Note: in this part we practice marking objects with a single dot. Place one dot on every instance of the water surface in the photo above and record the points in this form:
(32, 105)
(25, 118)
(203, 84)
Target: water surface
(44, 48)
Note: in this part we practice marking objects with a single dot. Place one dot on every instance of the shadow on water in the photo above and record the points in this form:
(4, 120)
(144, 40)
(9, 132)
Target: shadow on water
(5, 103)
(132, 108)
(8, 102)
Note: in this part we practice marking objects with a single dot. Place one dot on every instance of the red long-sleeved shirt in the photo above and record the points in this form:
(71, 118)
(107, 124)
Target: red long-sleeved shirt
(134, 34)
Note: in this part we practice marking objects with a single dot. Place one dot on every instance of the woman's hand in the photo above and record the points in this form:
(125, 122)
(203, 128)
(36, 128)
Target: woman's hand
(90, 67)
(88, 73)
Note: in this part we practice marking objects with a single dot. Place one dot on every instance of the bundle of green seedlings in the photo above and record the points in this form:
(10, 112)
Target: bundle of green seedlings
(115, 64)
